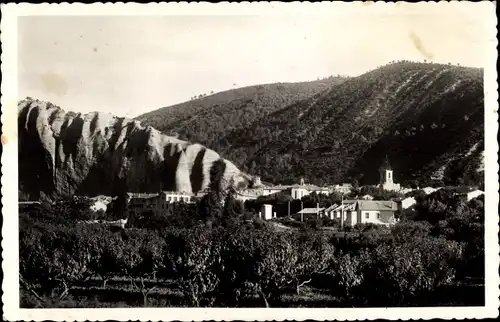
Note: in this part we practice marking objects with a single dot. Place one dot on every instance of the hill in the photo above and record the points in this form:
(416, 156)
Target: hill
(428, 118)
(208, 118)
(65, 153)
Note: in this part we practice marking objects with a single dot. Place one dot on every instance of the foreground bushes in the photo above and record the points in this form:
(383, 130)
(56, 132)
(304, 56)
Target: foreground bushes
(236, 265)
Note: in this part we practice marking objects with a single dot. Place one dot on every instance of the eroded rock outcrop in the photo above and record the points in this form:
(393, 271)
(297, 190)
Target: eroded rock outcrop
(65, 153)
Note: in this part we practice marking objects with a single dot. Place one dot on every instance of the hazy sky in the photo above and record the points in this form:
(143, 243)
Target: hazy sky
(131, 65)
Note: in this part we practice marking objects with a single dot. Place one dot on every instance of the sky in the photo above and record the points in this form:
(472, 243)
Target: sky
(129, 65)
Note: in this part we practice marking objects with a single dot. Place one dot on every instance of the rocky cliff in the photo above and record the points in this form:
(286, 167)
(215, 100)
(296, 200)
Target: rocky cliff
(65, 153)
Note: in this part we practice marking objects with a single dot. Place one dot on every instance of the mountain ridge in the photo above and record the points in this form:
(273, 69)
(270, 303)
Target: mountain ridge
(343, 132)
(237, 107)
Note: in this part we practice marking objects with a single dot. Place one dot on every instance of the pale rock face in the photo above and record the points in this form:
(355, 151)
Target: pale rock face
(63, 153)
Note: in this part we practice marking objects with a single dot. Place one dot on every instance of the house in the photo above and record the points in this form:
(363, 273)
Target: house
(310, 212)
(407, 202)
(320, 190)
(297, 191)
(367, 197)
(139, 203)
(387, 178)
(352, 212)
(377, 212)
(343, 188)
(248, 194)
(345, 212)
(329, 212)
(272, 190)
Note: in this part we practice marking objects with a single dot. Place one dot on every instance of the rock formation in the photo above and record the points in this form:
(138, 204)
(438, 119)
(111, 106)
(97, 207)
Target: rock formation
(64, 153)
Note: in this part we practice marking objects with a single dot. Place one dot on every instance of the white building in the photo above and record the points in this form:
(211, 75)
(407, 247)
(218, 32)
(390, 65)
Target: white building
(346, 211)
(352, 212)
(139, 203)
(248, 194)
(329, 212)
(173, 196)
(343, 188)
(266, 212)
(407, 202)
(297, 191)
(310, 212)
(376, 212)
(272, 190)
(387, 178)
(367, 197)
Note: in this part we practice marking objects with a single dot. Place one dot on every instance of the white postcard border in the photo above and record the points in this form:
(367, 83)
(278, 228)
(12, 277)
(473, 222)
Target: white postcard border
(9, 179)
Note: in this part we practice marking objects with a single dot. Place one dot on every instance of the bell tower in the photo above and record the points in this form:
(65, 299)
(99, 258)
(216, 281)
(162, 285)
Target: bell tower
(386, 174)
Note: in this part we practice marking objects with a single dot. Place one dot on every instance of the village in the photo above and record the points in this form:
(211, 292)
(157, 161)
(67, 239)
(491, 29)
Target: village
(350, 211)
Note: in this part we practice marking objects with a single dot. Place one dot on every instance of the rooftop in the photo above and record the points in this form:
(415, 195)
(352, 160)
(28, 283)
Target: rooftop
(377, 205)
(310, 210)
(332, 207)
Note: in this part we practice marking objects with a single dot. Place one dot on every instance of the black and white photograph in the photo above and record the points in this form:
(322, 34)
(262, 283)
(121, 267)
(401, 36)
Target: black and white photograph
(333, 156)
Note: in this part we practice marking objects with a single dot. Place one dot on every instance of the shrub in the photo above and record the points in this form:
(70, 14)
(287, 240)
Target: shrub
(406, 274)
(406, 230)
(198, 265)
(362, 227)
(347, 276)
(327, 222)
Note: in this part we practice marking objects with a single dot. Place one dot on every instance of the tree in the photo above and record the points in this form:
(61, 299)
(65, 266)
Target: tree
(315, 255)
(151, 252)
(406, 274)
(211, 205)
(45, 269)
(111, 249)
(346, 275)
(198, 266)
(404, 231)
(253, 167)
(118, 208)
(233, 210)
(210, 208)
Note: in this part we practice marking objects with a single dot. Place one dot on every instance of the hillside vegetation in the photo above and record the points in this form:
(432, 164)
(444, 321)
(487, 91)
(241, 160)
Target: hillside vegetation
(428, 118)
(207, 119)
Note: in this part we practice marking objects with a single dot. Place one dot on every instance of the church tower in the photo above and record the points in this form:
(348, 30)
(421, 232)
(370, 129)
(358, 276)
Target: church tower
(301, 181)
(386, 175)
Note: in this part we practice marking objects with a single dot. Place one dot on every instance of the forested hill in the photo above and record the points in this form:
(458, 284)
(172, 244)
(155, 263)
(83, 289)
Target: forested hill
(207, 118)
(428, 119)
